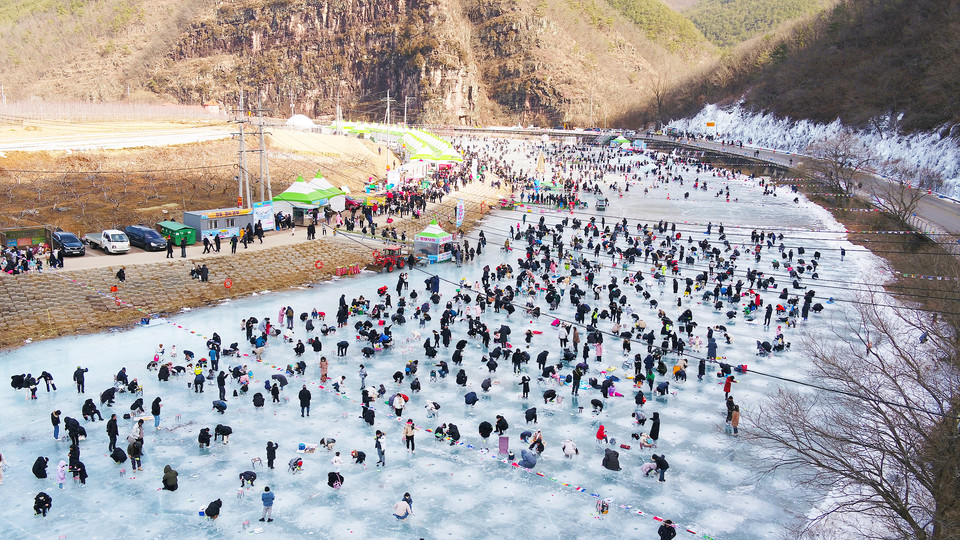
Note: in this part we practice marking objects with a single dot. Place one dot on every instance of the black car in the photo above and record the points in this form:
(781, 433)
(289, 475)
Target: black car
(145, 238)
(69, 243)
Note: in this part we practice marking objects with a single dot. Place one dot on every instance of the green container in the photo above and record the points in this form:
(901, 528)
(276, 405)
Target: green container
(177, 232)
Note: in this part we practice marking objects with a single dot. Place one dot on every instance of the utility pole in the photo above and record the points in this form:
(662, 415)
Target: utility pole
(339, 128)
(242, 155)
(243, 178)
(389, 101)
(264, 165)
(405, 100)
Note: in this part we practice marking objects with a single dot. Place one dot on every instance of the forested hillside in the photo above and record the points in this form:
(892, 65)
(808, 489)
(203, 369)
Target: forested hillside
(663, 25)
(729, 22)
(883, 64)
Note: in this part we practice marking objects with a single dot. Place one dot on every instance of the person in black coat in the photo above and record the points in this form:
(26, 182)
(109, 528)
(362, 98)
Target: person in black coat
(462, 378)
(662, 465)
(204, 437)
(304, 396)
(223, 432)
(113, 431)
(485, 430)
(137, 407)
(79, 379)
(108, 396)
(90, 410)
(655, 428)
(471, 399)
(258, 400)
(118, 455)
(42, 503)
(73, 429)
(667, 531)
(454, 433)
(212, 510)
(271, 453)
(611, 459)
(531, 415)
(501, 425)
(80, 472)
(525, 386)
(368, 415)
(549, 395)
(247, 477)
(40, 467)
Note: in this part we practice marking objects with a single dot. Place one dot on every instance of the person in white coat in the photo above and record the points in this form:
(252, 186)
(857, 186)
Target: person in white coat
(402, 510)
(61, 473)
(569, 448)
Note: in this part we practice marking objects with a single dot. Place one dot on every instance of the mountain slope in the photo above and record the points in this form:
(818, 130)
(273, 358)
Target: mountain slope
(459, 61)
(729, 22)
(887, 65)
(663, 25)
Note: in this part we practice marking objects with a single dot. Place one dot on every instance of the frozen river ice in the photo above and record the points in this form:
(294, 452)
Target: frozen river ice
(712, 487)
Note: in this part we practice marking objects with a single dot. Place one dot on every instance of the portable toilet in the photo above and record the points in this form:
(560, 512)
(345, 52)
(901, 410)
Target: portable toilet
(177, 232)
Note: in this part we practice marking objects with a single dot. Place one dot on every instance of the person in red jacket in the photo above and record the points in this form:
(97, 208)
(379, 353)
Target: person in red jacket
(726, 385)
(601, 434)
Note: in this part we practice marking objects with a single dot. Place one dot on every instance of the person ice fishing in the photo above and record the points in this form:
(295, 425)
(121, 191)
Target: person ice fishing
(402, 509)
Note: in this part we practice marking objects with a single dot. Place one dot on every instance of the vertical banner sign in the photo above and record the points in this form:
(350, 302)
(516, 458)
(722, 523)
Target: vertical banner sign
(263, 212)
(474, 163)
(460, 212)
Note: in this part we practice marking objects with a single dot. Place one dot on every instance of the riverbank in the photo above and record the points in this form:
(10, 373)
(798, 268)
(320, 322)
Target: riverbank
(79, 301)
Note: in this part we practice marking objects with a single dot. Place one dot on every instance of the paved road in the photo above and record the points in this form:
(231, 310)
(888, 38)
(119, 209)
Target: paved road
(113, 141)
(939, 211)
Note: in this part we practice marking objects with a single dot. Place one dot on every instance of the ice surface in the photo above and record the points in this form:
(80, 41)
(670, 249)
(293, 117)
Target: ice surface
(927, 150)
(712, 486)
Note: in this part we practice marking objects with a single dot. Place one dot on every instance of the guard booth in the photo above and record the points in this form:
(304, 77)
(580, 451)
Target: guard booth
(303, 214)
(177, 232)
(223, 222)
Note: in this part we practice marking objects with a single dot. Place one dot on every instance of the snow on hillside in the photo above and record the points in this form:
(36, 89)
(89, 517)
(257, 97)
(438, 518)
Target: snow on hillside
(926, 150)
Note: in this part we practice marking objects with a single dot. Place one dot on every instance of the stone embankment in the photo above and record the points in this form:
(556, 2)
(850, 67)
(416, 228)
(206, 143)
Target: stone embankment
(51, 304)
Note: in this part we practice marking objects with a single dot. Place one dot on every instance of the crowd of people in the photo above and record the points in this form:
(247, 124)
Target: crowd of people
(609, 274)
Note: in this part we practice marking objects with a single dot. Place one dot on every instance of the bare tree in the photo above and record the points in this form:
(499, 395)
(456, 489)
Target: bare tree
(901, 195)
(837, 161)
(884, 443)
(660, 85)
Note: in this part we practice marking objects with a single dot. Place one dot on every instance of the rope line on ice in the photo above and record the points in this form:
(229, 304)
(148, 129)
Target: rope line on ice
(514, 465)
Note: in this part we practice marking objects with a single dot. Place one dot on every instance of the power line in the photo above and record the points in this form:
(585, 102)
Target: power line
(710, 360)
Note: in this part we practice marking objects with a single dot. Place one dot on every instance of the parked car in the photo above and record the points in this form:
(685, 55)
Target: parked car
(110, 241)
(69, 243)
(145, 238)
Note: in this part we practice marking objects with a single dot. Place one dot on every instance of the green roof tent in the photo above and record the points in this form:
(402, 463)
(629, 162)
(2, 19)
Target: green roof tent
(421, 145)
(177, 232)
(620, 140)
(433, 243)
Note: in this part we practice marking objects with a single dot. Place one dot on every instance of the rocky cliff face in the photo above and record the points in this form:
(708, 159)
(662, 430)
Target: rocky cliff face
(306, 52)
(450, 61)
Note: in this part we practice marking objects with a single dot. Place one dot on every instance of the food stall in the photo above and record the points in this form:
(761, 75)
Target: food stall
(433, 243)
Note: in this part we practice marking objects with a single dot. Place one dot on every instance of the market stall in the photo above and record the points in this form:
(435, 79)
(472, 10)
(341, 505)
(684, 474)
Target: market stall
(433, 243)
